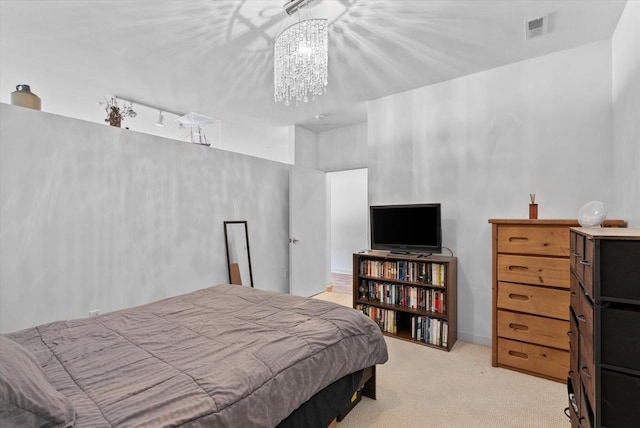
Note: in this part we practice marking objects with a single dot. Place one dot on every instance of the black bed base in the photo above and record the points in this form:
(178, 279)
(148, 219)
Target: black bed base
(333, 402)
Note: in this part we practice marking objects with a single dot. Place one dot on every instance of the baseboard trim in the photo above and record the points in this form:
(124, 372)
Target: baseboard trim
(486, 341)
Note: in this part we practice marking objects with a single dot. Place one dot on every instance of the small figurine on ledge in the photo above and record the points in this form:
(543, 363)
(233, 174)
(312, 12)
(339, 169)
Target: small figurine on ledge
(115, 112)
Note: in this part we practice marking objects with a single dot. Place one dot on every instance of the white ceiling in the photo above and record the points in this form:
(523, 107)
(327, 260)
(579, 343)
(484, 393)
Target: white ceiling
(215, 57)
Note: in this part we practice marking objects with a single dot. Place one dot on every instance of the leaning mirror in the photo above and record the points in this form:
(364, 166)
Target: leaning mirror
(238, 258)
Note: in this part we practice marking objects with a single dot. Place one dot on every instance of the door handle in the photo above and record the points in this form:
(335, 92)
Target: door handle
(293, 240)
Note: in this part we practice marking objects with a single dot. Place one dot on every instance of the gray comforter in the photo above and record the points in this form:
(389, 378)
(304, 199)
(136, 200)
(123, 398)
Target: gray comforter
(223, 356)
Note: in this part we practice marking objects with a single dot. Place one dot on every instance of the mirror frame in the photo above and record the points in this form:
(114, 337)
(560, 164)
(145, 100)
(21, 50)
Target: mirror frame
(226, 242)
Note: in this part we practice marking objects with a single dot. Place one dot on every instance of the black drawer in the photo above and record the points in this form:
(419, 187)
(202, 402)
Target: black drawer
(620, 338)
(619, 269)
(620, 400)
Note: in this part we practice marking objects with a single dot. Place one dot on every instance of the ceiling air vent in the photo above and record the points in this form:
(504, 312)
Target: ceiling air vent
(536, 27)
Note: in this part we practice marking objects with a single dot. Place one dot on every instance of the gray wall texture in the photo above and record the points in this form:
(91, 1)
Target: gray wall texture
(96, 217)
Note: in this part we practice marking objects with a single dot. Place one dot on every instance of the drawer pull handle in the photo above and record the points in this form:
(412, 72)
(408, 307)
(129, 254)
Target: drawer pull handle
(585, 371)
(581, 318)
(519, 327)
(585, 263)
(518, 268)
(577, 255)
(518, 296)
(518, 238)
(519, 355)
(570, 334)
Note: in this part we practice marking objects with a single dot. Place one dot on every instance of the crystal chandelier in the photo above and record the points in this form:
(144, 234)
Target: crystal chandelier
(300, 58)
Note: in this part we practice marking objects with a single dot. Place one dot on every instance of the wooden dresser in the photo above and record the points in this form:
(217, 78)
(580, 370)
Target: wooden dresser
(531, 279)
(604, 377)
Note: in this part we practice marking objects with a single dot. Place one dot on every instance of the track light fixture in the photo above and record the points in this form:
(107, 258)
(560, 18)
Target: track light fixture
(160, 121)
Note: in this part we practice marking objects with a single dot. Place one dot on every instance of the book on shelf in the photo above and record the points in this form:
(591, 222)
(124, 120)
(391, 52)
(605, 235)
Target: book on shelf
(405, 296)
(429, 330)
(404, 270)
(423, 328)
(385, 318)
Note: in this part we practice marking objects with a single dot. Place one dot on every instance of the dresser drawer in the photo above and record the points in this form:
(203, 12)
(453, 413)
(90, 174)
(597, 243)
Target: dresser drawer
(587, 369)
(574, 293)
(587, 266)
(574, 334)
(620, 394)
(573, 391)
(620, 336)
(586, 413)
(582, 259)
(542, 240)
(576, 251)
(620, 270)
(533, 329)
(544, 301)
(545, 271)
(546, 361)
(584, 315)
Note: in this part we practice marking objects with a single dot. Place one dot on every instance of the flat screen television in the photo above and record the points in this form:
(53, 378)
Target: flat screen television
(412, 228)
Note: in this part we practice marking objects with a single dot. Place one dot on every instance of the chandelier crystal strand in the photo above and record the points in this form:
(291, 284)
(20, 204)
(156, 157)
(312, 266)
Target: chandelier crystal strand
(301, 61)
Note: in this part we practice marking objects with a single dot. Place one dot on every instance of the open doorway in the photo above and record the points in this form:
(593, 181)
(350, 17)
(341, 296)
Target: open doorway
(349, 213)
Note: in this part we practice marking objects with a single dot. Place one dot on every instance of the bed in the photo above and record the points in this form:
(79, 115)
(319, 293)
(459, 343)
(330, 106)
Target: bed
(226, 356)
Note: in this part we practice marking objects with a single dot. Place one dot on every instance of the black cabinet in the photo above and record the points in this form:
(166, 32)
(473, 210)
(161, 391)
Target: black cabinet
(604, 378)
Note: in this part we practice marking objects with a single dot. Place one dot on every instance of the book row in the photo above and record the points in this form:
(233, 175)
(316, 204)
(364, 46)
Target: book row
(430, 330)
(423, 328)
(385, 318)
(406, 296)
(404, 270)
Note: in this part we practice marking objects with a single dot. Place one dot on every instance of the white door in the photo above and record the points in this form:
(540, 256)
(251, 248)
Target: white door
(307, 231)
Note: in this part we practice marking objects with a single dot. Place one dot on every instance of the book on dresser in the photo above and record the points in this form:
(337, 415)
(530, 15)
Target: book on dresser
(411, 297)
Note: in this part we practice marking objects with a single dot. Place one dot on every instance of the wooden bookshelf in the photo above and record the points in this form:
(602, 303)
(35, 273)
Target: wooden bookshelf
(411, 297)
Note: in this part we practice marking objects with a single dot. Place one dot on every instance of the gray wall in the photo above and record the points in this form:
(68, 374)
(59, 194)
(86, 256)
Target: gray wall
(482, 143)
(100, 217)
(334, 150)
(626, 113)
(305, 147)
(343, 148)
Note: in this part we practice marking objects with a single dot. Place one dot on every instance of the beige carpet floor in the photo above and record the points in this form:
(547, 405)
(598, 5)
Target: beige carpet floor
(423, 387)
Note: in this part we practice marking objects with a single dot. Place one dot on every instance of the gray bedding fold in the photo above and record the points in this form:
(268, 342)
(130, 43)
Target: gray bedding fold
(223, 356)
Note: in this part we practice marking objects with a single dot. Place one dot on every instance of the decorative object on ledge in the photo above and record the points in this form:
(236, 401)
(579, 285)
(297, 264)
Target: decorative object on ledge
(533, 207)
(116, 112)
(196, 123)
(160, 121)
(300, 58)
(23, 97)
(161, 111)
(592, 214)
